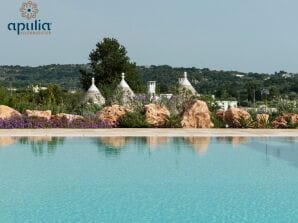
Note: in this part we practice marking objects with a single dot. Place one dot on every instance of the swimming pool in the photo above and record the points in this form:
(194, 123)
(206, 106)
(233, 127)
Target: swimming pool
(148, 180)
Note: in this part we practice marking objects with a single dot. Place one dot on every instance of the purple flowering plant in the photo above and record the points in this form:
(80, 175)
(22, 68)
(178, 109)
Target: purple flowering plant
(25, 122)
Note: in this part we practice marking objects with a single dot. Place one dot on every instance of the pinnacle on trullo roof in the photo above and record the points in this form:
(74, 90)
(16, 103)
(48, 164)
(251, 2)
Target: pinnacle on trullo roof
(184, 83)
(127, 92)
(93, 95)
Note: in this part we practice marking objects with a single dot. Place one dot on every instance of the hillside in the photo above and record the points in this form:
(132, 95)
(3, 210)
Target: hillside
(224, 84)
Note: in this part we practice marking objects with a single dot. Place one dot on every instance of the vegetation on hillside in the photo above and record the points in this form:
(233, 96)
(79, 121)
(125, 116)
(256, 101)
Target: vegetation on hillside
(247, 88)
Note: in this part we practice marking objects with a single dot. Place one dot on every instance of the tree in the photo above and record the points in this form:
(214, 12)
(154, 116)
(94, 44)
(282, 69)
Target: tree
(107, 61)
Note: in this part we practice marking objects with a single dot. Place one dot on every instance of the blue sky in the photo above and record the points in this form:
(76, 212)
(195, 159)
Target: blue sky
(254, 35)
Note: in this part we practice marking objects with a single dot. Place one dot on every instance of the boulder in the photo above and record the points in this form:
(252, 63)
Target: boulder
(39, 114)
(262, 120)
(285, 120)
(196, 115)
(111, 114)
(234, 116)
(68, 117)
(7, 112)
(156, 115)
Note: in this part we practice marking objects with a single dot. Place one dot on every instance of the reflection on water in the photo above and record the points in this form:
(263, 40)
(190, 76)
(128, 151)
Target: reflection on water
(6, 141)
(199, 144)
(282, 148)
(235, 141)
(111, 146)
(154, 142)
(40, 144)
(113, 142)
(285, 148)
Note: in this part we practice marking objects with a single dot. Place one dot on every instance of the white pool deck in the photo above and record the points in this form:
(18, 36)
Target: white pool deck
(148, 132)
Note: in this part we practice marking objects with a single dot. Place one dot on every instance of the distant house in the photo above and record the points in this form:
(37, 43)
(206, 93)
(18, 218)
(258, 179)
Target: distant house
(11, 89)
(287, 75)
(37, 88)
(227, 104)
(166, 96)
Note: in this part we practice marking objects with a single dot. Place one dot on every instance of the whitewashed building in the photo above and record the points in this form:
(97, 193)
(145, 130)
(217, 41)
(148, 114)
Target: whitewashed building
(185, 84)
(127, 92)
(227, 104)
(93, 95)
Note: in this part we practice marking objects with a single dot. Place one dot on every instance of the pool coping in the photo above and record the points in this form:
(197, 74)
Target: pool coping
(122, 132)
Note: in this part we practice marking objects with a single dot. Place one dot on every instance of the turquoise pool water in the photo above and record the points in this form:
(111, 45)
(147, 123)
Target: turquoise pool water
(53, 180)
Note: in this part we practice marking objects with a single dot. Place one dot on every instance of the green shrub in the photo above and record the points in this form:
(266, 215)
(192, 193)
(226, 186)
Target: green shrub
(217, 123)
(247, 123)
(174, 121)
(87, 109)
(133, 120)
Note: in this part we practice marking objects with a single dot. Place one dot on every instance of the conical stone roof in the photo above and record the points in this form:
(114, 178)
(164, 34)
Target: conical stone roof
(125, 87)
(184, 83)
(93, 95)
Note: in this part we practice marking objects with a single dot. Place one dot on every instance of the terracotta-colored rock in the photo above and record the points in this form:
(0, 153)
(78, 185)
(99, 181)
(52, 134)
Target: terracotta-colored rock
(111, 114)
(39, 114)
(233, 117)
(284, 120)
(197, 115)
(156, 115)
(7, 112)
(262, 120)
(68, 117)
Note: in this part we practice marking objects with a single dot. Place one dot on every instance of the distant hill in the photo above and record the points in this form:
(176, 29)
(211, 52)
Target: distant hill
(21, 77)
(223, 84)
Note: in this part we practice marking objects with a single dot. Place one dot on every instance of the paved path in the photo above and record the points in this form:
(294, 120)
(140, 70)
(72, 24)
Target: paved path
(149, 132)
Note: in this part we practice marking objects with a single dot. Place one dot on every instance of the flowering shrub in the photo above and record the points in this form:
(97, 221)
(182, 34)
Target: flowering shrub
(25, 122)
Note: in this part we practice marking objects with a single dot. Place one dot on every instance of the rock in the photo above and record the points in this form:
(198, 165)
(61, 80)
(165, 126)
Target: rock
(156, 115)
(111, 114)
(7, 112)
(234, 116)
(285, 120)
(68, 117)
(262, 120)
(196, 115)
(39, 114)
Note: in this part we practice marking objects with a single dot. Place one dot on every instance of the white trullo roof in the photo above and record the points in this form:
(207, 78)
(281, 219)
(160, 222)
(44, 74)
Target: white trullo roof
(93, 94)
(125, 87)
(184, 83)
